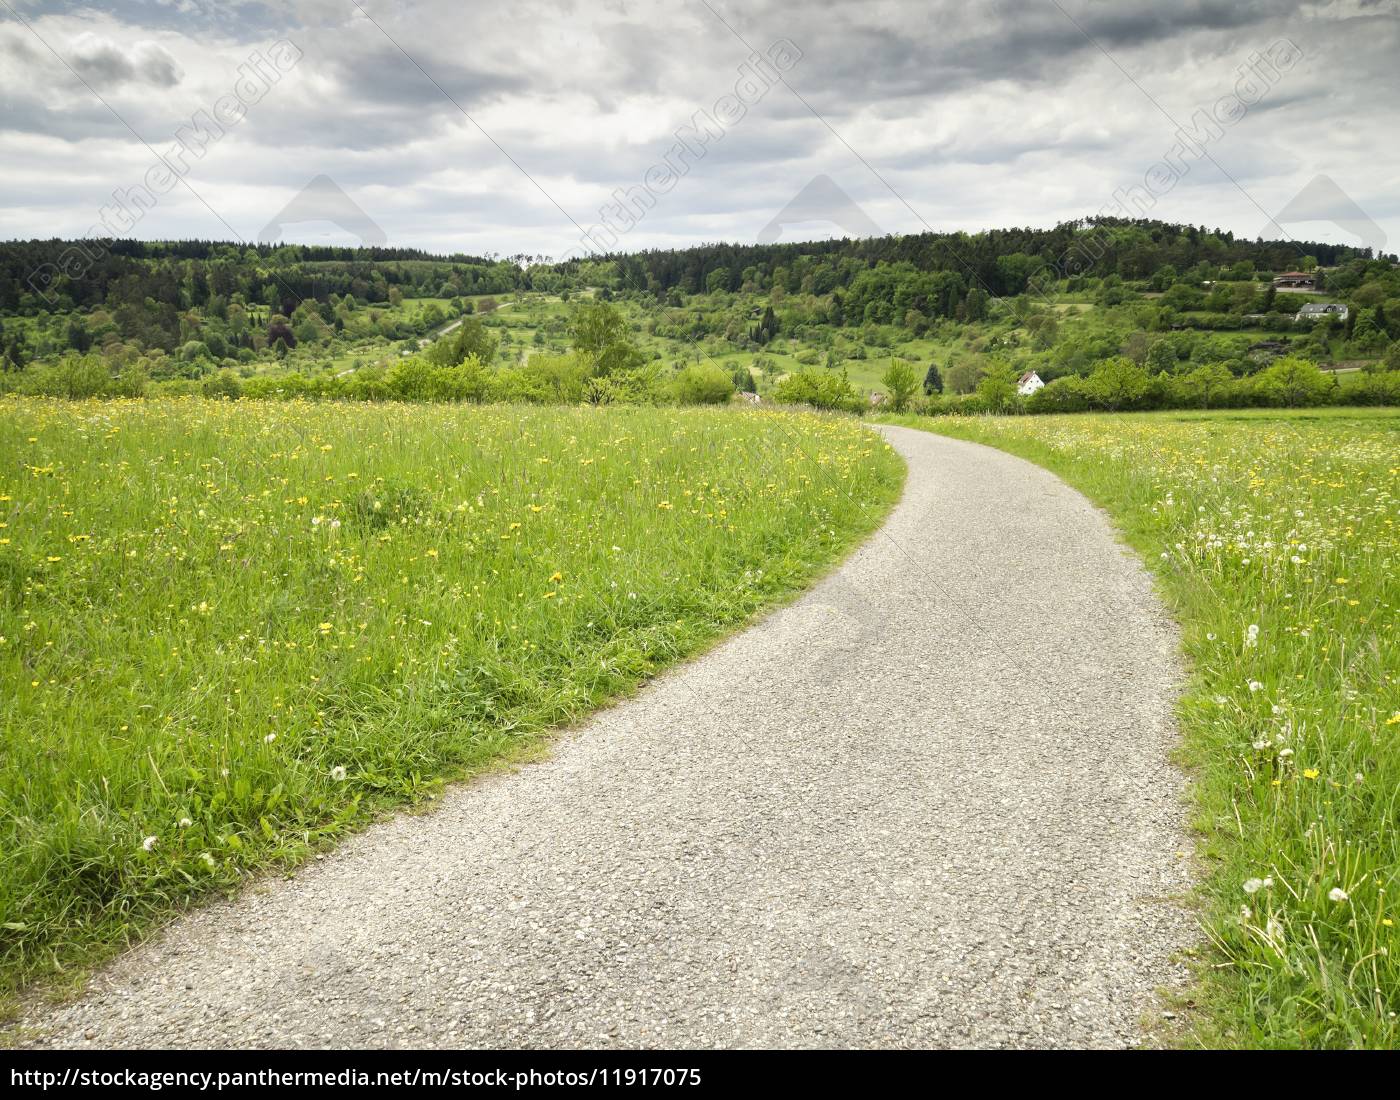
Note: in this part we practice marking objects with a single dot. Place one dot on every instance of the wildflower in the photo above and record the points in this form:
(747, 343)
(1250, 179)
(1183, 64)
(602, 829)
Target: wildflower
(1254, 885)
(338, 773)
(1310, 773)
(185, 823)
(557, 576)
(208, 860)
(271, 737)
(1255, 685)
(149, 843)
(1337, 894)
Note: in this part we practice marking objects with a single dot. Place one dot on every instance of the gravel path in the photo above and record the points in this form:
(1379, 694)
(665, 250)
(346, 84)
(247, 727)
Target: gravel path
(927, 804)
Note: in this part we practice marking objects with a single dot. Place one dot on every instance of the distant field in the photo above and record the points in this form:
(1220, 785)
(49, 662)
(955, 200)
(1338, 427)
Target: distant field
(231, 631)
(1277, 539)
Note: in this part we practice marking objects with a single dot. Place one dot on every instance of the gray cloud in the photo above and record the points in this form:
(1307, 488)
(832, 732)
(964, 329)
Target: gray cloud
(995, 113)
(108, 65)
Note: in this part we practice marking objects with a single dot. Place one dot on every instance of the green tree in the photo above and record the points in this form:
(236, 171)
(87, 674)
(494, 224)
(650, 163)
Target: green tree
(933, 381)
(703, 384)
(600, 333)
(1203, 383)
(964, 374)
(1118, 383)
(468, 339)
(1367, 335)
(998, 387)
(901, 382)
(1295, 381)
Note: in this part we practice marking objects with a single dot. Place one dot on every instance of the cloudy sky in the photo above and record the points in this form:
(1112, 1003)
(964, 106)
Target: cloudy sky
(508, 128)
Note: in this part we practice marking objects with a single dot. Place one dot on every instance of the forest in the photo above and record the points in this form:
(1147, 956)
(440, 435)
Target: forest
(1104, 313)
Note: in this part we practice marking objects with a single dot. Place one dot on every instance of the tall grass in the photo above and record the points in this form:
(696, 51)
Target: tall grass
(231, 631)
(1277, 539)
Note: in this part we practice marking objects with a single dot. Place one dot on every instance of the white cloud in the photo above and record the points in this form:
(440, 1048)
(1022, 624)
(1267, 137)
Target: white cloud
(999, 114)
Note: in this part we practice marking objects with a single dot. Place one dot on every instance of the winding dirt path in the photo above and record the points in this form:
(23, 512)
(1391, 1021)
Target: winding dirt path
(927, 804)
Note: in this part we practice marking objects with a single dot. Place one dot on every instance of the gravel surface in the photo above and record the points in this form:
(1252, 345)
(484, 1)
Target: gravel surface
(928, 804)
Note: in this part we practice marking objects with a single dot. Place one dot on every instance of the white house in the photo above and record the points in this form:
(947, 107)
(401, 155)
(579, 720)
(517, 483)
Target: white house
(1028, 383)
(1316, 311)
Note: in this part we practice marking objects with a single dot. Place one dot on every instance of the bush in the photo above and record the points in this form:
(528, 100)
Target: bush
(703, 384)
(821, 390)
(79, 376)
(225, 384)
(1293, 381)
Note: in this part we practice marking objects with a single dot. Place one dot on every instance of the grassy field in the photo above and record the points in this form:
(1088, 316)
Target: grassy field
(231, 631)
(1277, 540)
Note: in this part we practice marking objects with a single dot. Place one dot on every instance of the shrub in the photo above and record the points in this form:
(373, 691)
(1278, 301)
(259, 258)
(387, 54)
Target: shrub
(703, 384)
(225, 384)
(821, 390)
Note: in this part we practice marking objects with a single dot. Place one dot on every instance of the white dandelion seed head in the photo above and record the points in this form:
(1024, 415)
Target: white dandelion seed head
(1337, 894)
(338, 773)
(271, 737)
(185, 823)
(149, 843)
(1253, 885)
